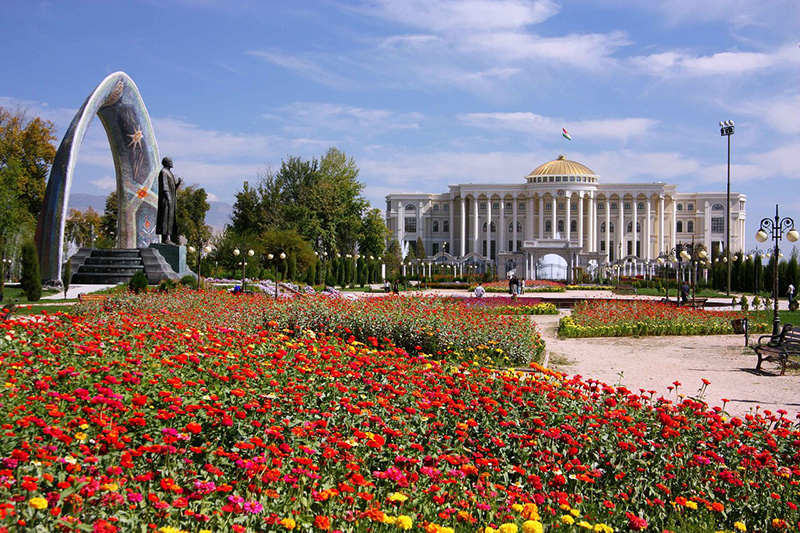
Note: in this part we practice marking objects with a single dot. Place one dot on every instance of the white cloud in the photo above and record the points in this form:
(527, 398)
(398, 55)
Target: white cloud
(181, 139)
(779, 112)
(464, 15)
(546, 127)
(304, 66)
(106, 183)
(678, 64)
(357, 121)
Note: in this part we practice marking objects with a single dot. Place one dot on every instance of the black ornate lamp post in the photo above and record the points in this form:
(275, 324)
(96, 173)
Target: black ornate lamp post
(775, 229)
(726, 129)
(694, 254)
(203, 250)
(666, 258)
(250, 253)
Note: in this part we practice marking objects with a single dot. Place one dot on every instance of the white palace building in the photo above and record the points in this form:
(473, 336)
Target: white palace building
(562, 209)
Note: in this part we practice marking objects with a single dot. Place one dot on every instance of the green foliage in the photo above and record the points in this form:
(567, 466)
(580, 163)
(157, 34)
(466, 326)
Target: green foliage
(374, 234)
(138, 282)
(189, 281)
(743, 303)
(83, 227)
(756, 302)
(192, 206)
(311, 274)
(291, 261)
(109, 220)
(31, 280)
(167, 285)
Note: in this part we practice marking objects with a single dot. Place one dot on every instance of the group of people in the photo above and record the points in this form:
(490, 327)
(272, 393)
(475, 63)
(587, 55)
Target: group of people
(394, 288)
(514, 286)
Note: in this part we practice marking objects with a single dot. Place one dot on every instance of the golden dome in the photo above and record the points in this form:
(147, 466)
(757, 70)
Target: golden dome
(561, 167)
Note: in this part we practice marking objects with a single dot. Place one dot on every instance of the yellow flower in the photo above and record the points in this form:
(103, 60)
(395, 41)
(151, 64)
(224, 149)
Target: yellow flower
(508, 528)
(585, 525)
(81, 435)
(574, 512)
(740, 526)
(489, 529)
(404, 522)
(567, 519)
(288, 523)
(691, 505)
(446, 530)
(389, 519)
(205, 531)
(111, 487)
(517, 508)
(38, 503)
(398, 497)
(532, 526)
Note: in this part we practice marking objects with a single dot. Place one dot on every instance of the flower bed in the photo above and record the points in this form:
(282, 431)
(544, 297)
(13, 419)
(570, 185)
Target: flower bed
(589, 287)
(506, 305)
(531, 285)
(624, 318)
(159, 418)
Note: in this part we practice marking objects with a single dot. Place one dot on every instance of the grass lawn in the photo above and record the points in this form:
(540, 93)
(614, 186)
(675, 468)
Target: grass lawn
(14, 291)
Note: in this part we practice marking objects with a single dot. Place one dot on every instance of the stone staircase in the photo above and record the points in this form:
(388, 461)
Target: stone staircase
(113, 266)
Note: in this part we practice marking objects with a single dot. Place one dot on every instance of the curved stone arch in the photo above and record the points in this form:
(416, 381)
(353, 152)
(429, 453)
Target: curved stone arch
(117, 102)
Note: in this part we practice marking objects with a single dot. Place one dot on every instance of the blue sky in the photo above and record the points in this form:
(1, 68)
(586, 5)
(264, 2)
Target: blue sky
(423, 93)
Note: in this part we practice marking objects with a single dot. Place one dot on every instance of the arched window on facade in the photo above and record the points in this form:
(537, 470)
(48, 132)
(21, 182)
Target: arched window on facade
(640, 206)
(601, 206)
(638, 227)
(679, 227)
(410, 220)
(627, 206)
(494, 227)
(436, 226)
(445, 225)
(613, 205)
(561, 226)
(690, 226)
(573, 225)
(718, 207)
(548, 226)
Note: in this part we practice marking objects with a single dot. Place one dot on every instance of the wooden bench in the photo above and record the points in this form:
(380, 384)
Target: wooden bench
(697, 303)
(779, 349)
(624, 288)
(92, 298)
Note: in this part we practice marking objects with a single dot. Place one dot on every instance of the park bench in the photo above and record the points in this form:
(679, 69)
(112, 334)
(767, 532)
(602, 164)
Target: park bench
(779, 349)
(697, 303)
(624, 288)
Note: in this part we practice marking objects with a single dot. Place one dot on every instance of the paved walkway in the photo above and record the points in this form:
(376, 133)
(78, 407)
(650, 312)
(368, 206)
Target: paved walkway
(75, 290)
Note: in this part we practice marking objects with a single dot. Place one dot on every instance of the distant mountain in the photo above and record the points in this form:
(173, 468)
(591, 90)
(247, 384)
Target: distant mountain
(219, 213)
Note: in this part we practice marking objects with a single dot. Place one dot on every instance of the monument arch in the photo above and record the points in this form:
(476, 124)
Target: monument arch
(118, 104)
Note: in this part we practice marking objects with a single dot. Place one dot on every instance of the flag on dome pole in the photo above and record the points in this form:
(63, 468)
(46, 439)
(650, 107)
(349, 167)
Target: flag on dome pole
(565, 134)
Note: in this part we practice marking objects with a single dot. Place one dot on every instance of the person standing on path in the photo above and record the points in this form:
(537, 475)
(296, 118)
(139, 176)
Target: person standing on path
(790, 294)
(479, 291)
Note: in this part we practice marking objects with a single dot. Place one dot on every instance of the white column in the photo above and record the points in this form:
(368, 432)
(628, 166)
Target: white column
(514, 219)
(475, 226)
(568, 215)
(635, 206)
(529, 219)
(621, 229)
(488, 225)
(419, 220)
(661, 224)
(541, 216)
(648, 230)
(674, 241)
(580, 219)
(608, 225)
(452, 231)
(463, 224)
(593, 221)
(554, 206)
(501, 246)
(400, 224)
(707, 225)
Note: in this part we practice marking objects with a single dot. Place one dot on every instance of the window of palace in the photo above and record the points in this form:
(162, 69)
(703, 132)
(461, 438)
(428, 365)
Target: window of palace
(718, 207)
(496, 205)
(572, 178)
(690, 207)
(445, 225)
(573, 225)
(690, 226)
(446, 207)
(435, 248)
(601, 206)
(613, 206)
(436, 226)
(679, 227)
(560, 207)
(548, 206)
(602, 246)
(717, 225)
(640, 206)
(521, 206)
(551, 179)
(435, 207)
(558, 178)
(627, 206)
(483, 206)
(509, 206)
(561, 226)
(411, 224)
(548, 226)
(573, 206)
(603, 227)
(494, 227)
(638, 227)
(680, 207)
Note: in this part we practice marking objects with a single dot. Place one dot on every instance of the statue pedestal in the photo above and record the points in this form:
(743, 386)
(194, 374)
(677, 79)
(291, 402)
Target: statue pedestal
(174, 255)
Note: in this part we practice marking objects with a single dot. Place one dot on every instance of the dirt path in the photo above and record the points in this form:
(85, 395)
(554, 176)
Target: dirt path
(654, 363)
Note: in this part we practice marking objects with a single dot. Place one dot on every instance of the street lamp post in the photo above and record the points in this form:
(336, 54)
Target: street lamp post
(776, 227)
(203, 249)
(250, 253)
(726, 129)
(666, 258)
(755, 254)
(694, 254)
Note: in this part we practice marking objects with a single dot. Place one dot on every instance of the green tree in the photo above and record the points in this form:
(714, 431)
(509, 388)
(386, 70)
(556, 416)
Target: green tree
(192, 206)
(420, 249)
(27, 144)
(31, 278)
(393, 258)
(290, 242)
(83, 227)
(373, 235)
(109, 220)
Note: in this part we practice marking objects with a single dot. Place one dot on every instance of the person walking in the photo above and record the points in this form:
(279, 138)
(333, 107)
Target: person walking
(790, 294)
(684, 293)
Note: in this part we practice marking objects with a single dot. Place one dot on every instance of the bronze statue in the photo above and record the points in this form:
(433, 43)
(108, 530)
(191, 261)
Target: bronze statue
(167, 223)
